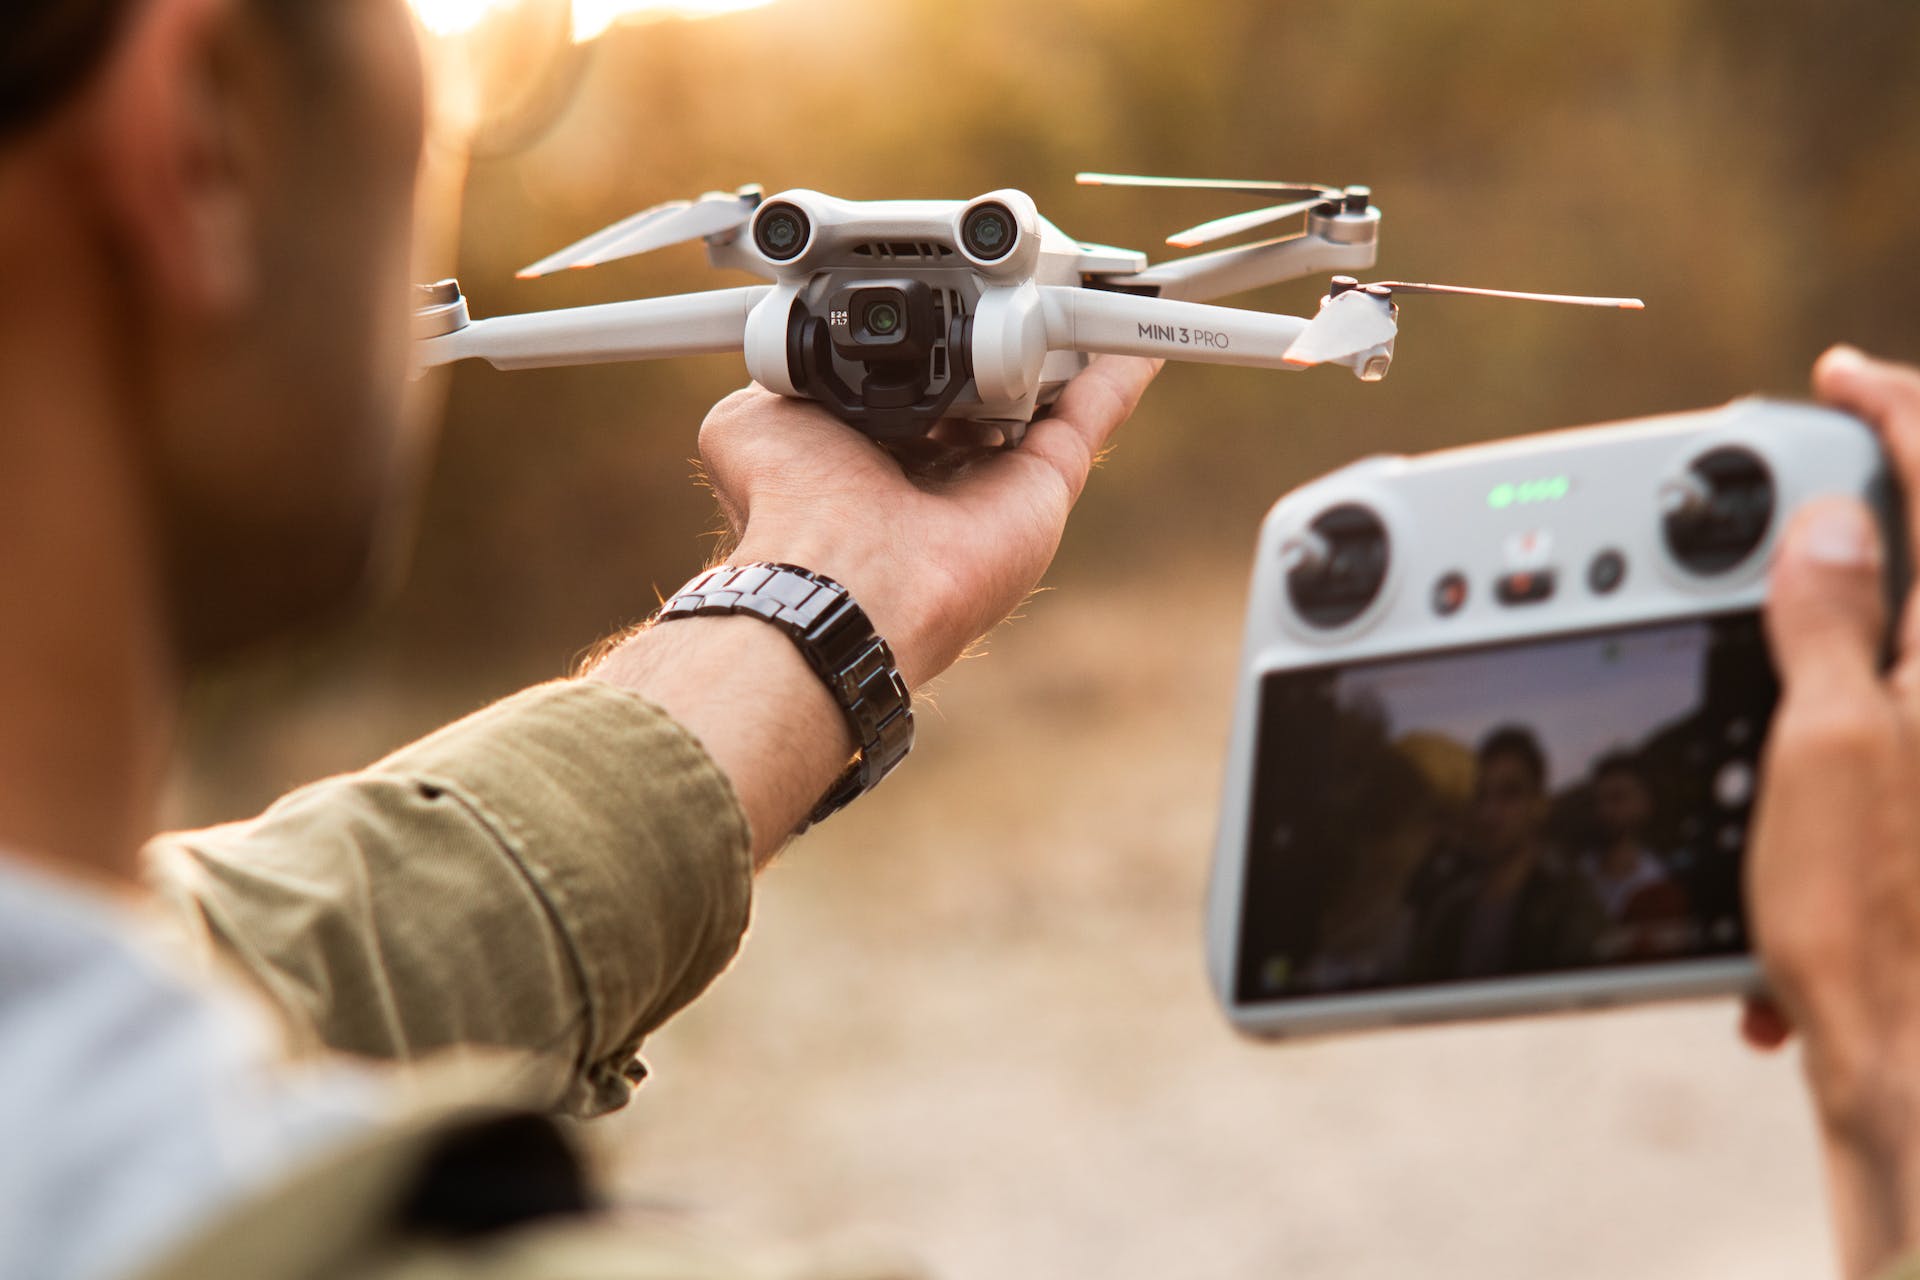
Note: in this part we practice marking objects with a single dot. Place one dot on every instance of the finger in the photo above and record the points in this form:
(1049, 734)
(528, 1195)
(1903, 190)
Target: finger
(1826, 615)
(1762, 1025)
(1090, 409)
(1886, 395)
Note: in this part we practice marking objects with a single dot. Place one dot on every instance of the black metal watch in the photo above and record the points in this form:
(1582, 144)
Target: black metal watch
(838, 641)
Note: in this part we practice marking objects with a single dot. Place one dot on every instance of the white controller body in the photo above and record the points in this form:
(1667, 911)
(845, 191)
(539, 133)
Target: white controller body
(1551, 506)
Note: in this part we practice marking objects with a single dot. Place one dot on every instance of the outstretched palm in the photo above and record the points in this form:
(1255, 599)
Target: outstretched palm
(935, 561)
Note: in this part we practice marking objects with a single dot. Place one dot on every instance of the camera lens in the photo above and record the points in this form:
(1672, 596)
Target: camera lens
(781, 232)
(988, 232)
(883, 318)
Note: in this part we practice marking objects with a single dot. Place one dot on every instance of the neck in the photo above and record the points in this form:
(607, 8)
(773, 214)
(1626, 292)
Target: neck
(87, 684)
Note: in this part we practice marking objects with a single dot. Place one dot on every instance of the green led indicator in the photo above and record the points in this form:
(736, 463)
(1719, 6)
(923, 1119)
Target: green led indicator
(1529, 492)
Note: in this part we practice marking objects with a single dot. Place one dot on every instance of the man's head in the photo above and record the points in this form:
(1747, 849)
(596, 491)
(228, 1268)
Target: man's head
(1622, 803)
(215, 198)
(1509, 794)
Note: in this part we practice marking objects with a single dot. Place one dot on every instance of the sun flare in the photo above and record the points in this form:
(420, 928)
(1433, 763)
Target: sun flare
(590, 17)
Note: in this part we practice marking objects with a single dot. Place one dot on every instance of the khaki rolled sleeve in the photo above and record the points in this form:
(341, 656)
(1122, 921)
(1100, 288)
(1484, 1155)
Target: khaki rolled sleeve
(556, 875)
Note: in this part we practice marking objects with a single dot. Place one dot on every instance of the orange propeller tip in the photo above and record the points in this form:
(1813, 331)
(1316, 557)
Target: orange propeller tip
(526, 275)
(1184, 242)
(1297, 364)
(1633, 304)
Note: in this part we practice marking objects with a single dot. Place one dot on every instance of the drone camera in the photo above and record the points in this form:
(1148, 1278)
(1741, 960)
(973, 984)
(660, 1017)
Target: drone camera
(882, 319)
(883, 322)
(781, 231)
(899, 344)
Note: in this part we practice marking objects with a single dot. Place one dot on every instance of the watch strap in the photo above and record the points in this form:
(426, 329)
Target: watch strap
(838, 641)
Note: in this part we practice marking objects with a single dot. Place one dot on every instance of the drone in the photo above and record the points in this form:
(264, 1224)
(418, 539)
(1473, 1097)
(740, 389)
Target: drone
(896, 315)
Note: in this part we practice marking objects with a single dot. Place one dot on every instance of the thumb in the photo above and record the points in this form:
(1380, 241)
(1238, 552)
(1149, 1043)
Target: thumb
(1826, 611)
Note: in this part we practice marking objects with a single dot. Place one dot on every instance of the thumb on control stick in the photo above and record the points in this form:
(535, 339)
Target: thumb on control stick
(1827, 611)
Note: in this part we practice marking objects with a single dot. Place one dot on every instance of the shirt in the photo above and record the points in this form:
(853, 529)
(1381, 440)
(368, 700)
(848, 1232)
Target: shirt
(539, 885)
(136, 1105)
(552, 877)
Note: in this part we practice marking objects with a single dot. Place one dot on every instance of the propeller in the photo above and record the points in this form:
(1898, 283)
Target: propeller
(1357, 317)
(1234, 224)
(1272, 190)
(675, 222)
(1566, 299)
(1295, 199)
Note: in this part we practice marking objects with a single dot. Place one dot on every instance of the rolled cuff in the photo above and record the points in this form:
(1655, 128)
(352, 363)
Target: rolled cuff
(632, 837)
(556, 875)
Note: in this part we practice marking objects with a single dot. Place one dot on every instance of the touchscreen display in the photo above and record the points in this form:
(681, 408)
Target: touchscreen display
(1501, 811)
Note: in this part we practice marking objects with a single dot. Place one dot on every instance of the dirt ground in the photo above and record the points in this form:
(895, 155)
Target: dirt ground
(971, 1026)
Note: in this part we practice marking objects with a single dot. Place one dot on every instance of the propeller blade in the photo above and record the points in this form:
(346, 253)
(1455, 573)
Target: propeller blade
(672, 223)
(1273, 190)
(1569, 299)
(1348, 323)
(1234, 224)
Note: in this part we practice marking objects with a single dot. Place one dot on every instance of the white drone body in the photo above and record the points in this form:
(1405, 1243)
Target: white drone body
(896, 315)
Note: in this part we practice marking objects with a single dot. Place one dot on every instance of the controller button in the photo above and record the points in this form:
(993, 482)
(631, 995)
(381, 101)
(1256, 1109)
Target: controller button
(1733, 785)
(1449, 594)
(1718, 513)
(1529, 587)
(1607, 572)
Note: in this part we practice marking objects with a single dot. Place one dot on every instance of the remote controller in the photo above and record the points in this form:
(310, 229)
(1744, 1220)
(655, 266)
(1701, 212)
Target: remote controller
(1499, 721)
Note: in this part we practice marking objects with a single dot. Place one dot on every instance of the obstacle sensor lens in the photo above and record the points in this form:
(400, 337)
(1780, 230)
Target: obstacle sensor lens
(988, 232)
(781, 232)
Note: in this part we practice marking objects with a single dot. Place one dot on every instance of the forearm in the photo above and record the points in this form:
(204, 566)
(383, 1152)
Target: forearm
(1869, 1118)
(743, 689)
(1873, 1208)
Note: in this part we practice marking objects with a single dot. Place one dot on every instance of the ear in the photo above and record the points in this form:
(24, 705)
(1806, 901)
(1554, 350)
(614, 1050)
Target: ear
(171, 133)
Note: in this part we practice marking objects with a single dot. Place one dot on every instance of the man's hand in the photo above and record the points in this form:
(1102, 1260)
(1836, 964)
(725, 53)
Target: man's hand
(935, 564)
(1833, 879)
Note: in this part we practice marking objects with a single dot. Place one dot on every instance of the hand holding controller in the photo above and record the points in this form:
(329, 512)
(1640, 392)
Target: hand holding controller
(1834, 874)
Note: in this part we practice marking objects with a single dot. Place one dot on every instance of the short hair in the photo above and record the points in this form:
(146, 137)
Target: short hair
(1621, 763)
(47, 50)
(1515, 743)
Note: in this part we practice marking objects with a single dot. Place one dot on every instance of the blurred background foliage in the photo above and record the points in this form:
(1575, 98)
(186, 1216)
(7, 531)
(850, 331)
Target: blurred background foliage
(1747, 167)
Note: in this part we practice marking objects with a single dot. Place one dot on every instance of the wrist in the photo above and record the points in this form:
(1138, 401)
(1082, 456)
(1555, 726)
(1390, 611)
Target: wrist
(895, 598)
(748, 696)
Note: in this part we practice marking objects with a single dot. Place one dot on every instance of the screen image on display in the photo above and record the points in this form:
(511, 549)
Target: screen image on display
(1504, 811)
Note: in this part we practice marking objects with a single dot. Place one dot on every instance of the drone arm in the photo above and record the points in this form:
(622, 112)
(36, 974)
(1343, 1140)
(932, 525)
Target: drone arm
(649, 328)
(1128, 324)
